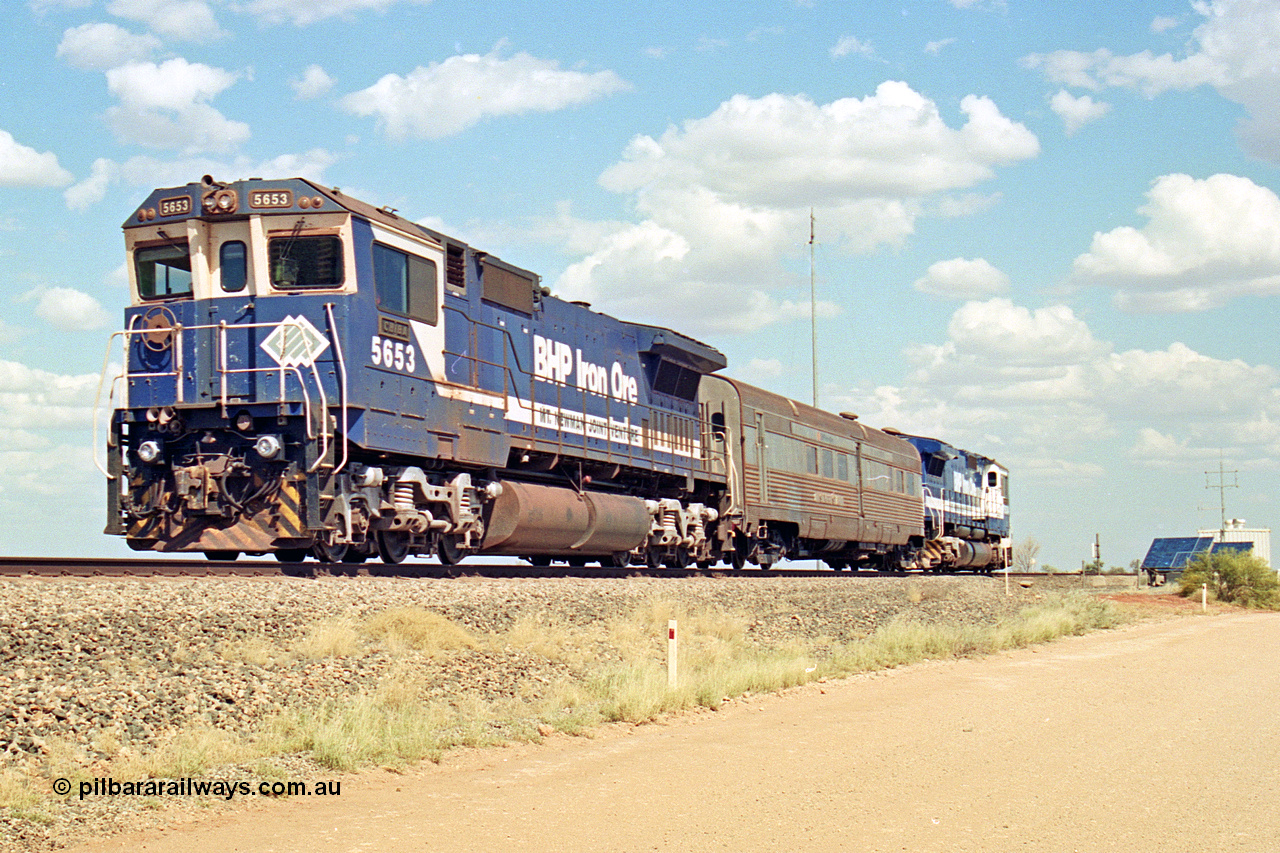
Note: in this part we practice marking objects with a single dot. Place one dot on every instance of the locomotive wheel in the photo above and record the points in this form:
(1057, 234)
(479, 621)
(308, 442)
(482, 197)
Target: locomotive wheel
(393, 546)
(738, 559)
(619, 560)
(327, 553)
(355, 555)
(221, 556)
(290, 555)
(652, 559)
(449, 551)
(678, 560)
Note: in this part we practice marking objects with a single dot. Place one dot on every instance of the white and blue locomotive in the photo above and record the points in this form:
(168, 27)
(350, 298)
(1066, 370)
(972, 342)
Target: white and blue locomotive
(305, 374)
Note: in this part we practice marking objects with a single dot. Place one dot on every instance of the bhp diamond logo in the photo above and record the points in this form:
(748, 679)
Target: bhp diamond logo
(295, 342)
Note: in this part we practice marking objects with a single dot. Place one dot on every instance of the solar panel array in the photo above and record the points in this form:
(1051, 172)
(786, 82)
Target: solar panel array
(1242, 547)
(1173, 553)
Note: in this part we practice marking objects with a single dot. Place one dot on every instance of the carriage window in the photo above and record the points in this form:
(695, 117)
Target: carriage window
(842, 466)
(828, 464)
(298, 262)
(405, 284)
(163, 271)
(233, 266)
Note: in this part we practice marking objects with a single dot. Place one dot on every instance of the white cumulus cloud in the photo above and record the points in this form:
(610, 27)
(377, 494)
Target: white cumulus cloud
(166, 106)
(1233, 50)
(1205, 242)
(961, 278)
(1077, 112)
(101, 46)
(21, 166)
(850, 45)
(1040, 381)
(92, 189)
(70, 310)
(304, 12)
(313, 83)
(36, 400)
(448, 97)
(725, 197)
(191, 20)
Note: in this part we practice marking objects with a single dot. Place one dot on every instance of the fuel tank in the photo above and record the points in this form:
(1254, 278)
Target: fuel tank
(972, 555)
(532, 519)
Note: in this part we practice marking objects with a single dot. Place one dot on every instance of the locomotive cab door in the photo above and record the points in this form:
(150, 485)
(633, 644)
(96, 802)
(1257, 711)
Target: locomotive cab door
(409, 292)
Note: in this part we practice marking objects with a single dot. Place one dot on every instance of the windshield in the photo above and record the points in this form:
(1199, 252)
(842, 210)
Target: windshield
(163, 271)
(305, 262)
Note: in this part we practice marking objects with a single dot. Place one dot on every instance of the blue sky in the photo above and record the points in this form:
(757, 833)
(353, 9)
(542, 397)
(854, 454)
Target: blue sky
(1051, 238)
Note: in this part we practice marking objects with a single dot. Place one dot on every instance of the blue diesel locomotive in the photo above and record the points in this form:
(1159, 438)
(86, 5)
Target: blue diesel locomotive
(305, 374)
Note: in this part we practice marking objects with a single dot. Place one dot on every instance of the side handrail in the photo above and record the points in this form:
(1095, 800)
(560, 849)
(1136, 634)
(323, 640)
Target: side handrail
(224, 370)
(342, 380)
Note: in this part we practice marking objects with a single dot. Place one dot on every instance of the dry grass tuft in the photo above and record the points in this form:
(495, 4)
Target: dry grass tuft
(253, 650)
(419, 629)
(329, 638)
(186, 753)
(17, 791)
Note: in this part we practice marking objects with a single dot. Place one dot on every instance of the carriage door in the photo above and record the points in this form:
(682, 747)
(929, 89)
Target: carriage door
(762, 457)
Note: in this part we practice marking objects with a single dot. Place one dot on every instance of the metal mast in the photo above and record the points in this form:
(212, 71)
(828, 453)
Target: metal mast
(1222, 485)
(813, 311)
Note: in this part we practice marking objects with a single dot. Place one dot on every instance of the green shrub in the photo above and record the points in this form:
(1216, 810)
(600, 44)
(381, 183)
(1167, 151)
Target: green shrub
(1237, 577)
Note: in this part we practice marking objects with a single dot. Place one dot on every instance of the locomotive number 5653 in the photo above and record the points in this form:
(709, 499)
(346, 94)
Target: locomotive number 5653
(396, 355)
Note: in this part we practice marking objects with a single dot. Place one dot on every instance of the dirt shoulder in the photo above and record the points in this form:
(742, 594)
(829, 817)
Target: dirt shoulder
(1074, 745)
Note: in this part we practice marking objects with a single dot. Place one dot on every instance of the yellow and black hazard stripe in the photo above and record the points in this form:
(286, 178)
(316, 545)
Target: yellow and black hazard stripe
(146, 527)
(933, 552)
(288, 514)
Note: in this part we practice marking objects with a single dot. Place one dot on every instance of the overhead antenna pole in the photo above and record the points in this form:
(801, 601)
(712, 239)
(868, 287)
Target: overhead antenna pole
(813, 310)
(1222, 485)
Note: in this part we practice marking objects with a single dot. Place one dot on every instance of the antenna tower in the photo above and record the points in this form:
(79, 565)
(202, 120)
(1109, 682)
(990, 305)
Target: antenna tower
(813, 310)
(1222, 485)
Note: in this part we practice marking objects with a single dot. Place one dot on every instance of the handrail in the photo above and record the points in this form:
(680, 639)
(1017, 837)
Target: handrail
(342, 380)
(224, 371)
(97, 396)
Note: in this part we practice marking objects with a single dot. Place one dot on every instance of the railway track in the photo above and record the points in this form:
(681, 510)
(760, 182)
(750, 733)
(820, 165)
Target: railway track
(143, 567)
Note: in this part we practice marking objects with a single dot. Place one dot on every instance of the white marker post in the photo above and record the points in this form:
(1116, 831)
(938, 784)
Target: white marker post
(1204, 597)
(671, 654)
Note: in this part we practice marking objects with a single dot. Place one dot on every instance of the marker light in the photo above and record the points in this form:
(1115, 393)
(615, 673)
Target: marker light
(244, 421)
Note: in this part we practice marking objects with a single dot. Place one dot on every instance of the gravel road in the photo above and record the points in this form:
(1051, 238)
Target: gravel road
(96, 669)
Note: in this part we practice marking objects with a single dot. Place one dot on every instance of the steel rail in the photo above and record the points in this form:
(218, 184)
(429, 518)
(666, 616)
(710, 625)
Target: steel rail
(144, 567)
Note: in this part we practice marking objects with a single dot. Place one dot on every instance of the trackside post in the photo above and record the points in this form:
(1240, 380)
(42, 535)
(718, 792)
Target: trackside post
(671, 654)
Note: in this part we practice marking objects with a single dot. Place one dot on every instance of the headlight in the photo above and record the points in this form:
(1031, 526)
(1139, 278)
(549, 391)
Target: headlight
(268, 446)
(149, 451)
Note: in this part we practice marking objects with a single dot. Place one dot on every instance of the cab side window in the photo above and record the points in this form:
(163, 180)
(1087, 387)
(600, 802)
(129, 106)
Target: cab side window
(405, 284)
(233, 262)
(163, 271)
